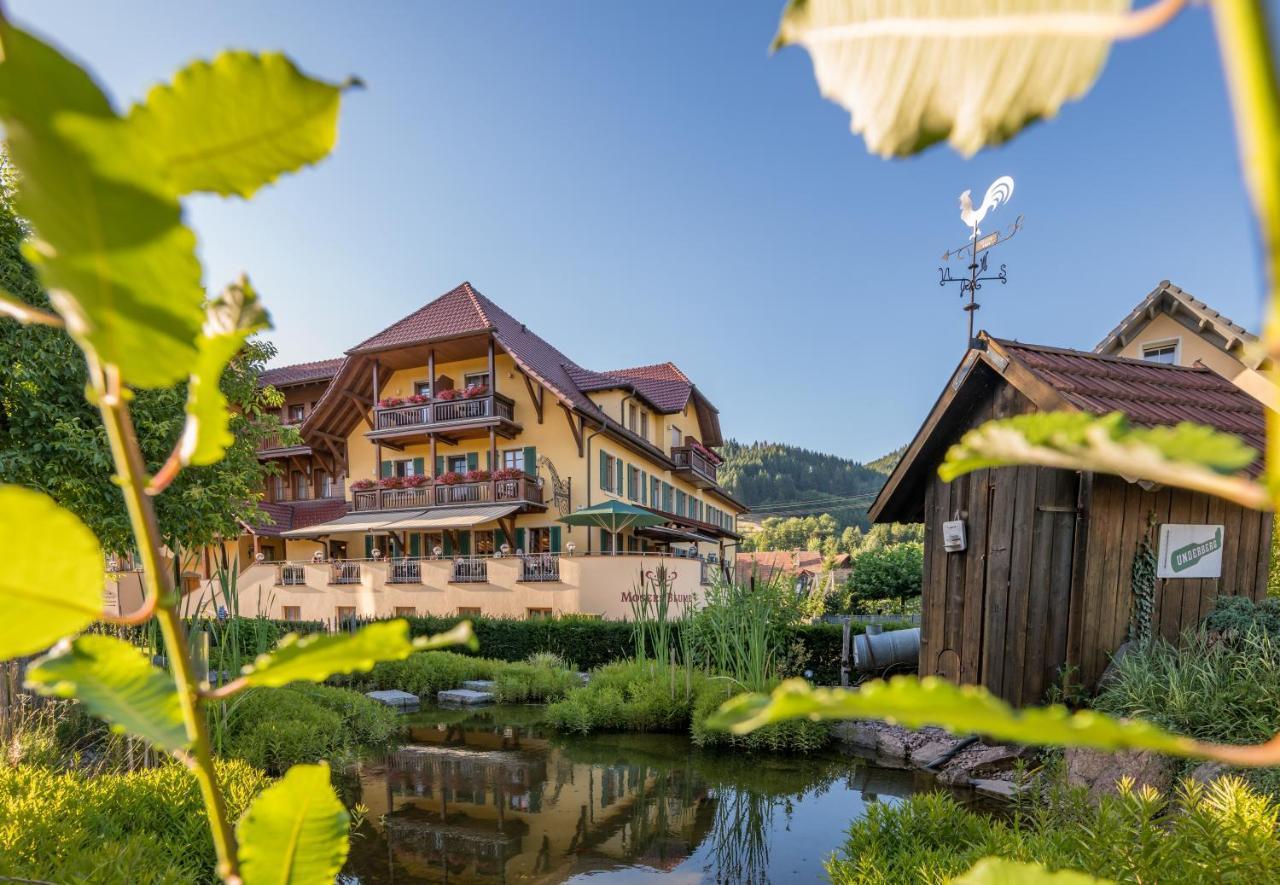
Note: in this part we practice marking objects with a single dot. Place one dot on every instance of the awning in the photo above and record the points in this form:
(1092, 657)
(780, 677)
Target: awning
(422, 520)
(665, 533)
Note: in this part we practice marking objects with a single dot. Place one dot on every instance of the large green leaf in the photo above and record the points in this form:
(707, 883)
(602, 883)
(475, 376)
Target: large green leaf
(109, 241)
(230, 320)
(998, 871)
(238, 122)
(53, 574)
(973, 72)
(315, 658)
(115, 681)
(295, 832)
(965, 709)
(1187, 455)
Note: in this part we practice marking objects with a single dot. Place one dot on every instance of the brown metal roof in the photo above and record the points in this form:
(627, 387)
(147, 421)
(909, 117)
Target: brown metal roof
(301, 373)
(297, 515)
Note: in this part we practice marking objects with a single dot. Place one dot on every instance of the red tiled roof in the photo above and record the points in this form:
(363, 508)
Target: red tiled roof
(456, 312)
(767, 562)
(299, 373)
(1150, 394)
(297, 515)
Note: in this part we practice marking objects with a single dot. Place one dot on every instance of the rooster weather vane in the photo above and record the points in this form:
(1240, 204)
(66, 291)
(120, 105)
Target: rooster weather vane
(975, 250)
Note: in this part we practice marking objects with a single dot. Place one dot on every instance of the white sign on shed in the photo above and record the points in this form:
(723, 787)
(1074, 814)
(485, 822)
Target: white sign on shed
(1189, 551)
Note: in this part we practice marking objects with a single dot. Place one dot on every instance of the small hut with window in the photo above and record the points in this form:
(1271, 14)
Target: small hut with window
(1044, 577)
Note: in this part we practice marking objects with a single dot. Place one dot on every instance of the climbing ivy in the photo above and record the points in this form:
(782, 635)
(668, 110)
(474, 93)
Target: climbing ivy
(1142, 580)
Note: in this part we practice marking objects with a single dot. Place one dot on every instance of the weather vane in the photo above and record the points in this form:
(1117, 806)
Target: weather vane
(975, 250)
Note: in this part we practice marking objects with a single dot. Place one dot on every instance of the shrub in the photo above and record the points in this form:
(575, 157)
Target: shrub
(1221, 833)
(794, 736)
(524, 683)
(629, 696)
(1235, 616)
(152, 824)
(274, 728)
(424, 673)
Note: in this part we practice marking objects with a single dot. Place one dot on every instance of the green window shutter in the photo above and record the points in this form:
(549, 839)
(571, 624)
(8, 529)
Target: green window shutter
(604, 471)
(531, 460)
(487, 465)
(415, 544)
(499, 538)
(555, 539)
(439, 465)
(448, 544)
(387, 467)
(617, 471)
(520, 539)
(419, 466)
(473, 460)
(464, 543)
(368, 546)
(631, 483)
(644, 487)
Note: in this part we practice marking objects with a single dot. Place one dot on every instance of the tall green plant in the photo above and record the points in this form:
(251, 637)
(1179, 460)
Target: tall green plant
(102, 191)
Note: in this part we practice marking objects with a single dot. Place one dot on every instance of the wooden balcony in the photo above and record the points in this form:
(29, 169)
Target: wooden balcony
(694, 466)
(456, 418)
(278, 445)
(490, 491)
(289, 495)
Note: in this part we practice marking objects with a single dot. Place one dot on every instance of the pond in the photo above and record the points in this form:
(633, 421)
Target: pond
(489, 796)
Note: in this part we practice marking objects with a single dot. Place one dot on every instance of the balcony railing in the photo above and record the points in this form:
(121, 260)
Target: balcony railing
(689, 458)
(405, 571)
(470, 570)
(454, 411)
(490, 491)
(344, 573)
(276, 440)
(540, 567)
(289, 574)
(290, 494)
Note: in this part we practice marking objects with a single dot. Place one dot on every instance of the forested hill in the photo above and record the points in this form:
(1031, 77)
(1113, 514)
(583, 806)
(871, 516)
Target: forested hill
(784, 480)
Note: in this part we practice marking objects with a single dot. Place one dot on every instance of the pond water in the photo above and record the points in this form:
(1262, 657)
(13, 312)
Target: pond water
(489, 796)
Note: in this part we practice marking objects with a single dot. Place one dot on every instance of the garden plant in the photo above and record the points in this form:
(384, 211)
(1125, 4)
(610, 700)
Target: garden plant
(102, 192)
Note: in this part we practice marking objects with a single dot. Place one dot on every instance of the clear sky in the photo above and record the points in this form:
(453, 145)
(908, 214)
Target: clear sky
(642, 182)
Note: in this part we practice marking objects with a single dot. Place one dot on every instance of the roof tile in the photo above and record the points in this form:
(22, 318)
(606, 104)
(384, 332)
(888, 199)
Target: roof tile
(299, 373)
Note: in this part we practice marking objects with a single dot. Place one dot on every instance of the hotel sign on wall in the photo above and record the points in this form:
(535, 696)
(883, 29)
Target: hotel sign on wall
(1190, 551)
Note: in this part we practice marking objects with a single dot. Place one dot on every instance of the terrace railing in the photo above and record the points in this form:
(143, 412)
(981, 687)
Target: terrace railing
(290, 574)
(454, 411)
(405, 571)
(689, 458)
(344, 573)
(540, 567)
(470, 570)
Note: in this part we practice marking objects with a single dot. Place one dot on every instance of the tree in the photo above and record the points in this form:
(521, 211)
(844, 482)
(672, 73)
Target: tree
(52, 439)
(891, 572)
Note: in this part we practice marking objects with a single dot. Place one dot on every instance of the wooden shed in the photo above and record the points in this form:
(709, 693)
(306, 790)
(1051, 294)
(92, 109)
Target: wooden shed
(1045, 581)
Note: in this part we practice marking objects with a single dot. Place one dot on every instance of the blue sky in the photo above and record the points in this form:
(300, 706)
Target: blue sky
(642, 182)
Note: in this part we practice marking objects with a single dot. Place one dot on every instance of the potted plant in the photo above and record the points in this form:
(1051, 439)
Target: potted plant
(361, 485)
(508, 473)
(393, 482)
(474, 391)
(477, 475)
(390, 402)
(449, 478)
(416, 482)
(447, 395)
(416, 399)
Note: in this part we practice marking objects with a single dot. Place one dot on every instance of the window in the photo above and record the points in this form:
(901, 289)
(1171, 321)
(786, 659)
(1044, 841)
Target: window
(606, 541)
(475, 379)
(539, 541)
(633, 417)
(296, 413)
(680, 502)
(325, 484)
(644, 424)
(484, 543)
(635, 483)
(676, 439)
(655, 491)
(277, 487)
(468, 611)
(610, 473)
(346, 612)
(268, 552)
(456, 463)
(538, 614)
(299, 486)
(422, 388)
(291, 613)
(1161, 352)
(668, 491)
(513, 459)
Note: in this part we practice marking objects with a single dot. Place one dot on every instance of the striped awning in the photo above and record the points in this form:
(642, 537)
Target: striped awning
(421, 520)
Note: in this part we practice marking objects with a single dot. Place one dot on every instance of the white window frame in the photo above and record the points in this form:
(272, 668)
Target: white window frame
(513, 458)
(468, 379)
(1175, 343)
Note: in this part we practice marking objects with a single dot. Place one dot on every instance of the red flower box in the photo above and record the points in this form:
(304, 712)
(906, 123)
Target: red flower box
(447, 395)
(477, 475)
(361, 485)
(390, 402)
(474, 391)
(449, 478)
(416, 482)
(508, 473)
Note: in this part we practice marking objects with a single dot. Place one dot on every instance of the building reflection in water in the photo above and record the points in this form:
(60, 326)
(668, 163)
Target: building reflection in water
(477, 801)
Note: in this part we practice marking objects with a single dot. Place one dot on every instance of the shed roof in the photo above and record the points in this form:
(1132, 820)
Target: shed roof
(1056, 378)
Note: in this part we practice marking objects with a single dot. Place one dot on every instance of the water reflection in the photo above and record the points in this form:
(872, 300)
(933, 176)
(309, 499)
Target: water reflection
(490, 797)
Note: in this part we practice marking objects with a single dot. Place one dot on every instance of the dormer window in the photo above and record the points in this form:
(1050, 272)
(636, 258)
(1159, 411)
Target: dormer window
(1161, 352)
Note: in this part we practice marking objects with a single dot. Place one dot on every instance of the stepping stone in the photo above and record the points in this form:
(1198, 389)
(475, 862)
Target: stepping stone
(478, 685)
(464, 697)
(396, 700)
(996, 789)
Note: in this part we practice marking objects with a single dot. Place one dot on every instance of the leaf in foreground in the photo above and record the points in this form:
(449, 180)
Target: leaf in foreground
(966, 709)
(973, 72)
(115, 681)
(1188, 455)
(109, 242)
(229, 321)
(53, 575)
(316, 657)
(234, 124)
(999, 871)
(295, 832)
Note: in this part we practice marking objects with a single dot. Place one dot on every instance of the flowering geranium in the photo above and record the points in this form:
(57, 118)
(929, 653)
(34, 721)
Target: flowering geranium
(417, 399)
(447, 395)
(362, 484)
(449, 477)
(508, 473)
(474, 391)
(393, 482)
(416, 482)
(477, 475)
(390, 402)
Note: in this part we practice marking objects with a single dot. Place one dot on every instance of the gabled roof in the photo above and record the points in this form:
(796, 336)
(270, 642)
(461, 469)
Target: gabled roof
(1229, 335)
(301, 373)
(1055, 378)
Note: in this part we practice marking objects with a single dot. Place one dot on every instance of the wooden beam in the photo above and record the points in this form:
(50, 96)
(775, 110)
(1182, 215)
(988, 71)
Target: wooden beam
(362, 407)
(574, 427)
(535, 396)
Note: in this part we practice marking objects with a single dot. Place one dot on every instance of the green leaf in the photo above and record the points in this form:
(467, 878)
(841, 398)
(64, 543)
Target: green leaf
(998, 871)
(973, 72)
(109, 241)
(316, 657)
(966, 709)
(295, 832)
(1187, 455)
(53, 576)
(115, 681)
(230, 320)
(238, 122)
